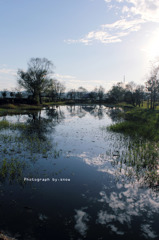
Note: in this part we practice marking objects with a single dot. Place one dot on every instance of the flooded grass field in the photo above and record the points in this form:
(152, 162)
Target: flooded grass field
(63, 175)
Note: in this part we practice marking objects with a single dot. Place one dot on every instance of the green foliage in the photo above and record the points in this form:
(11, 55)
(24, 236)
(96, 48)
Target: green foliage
(116, 94)
(11, 168)
(4, 124)
(9, 106)
(139, 122)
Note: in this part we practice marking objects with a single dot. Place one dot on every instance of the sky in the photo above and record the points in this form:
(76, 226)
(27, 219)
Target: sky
(90, 42)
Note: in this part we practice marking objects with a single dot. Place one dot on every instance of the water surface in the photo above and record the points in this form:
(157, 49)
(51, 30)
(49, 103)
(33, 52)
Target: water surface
(62, 178)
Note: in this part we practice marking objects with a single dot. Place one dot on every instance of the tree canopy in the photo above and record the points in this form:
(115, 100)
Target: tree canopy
(36, 79)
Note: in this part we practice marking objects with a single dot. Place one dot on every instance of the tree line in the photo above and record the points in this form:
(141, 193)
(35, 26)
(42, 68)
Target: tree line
(38, 81)
(136, 94)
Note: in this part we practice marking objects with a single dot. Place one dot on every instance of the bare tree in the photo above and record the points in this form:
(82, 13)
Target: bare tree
(152, 84)
(101, 91)
(55, 89)
(61, 89)
(36, 79)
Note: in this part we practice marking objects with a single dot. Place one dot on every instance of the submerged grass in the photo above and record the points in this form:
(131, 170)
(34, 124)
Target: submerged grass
(141, 158)
(142, 152)
(12, 169)
(4, 124)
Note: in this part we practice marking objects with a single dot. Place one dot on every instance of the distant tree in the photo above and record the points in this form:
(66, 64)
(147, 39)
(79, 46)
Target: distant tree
(139, 95)
(36, 79)
(93, 94)
(72, 94)
(152, 84)
(117, 93)
(12, 94)
(62, 89)
(101, 91)
(55, 89)
(129, 96)
(18, 95)
(4, 94)
(81, 91)
(52, 89)
(134, 94)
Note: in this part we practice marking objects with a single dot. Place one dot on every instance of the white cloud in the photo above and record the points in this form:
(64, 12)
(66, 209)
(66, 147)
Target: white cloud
(148, 10)
(124, 25)
(12, 72)
(8, 78)
(111, 33)
(60, 76)
(125, 9)
(133, 14)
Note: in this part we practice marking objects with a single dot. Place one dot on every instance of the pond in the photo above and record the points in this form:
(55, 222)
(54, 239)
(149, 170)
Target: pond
(62, 177)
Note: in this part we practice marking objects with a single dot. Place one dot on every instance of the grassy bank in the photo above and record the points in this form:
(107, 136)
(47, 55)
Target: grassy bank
(139, 122)
(11, 109)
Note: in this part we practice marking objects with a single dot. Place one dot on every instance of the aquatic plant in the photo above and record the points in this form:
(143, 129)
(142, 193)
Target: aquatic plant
(138, 160)
(11, 169)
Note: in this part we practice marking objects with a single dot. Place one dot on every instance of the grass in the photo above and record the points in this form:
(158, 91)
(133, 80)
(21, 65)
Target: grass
(55, 103)
(124, 104)
(4, 124)
(142, 153)
(11, 168)
(140, 161)
(15, 109)
(20, 106)
(139, 122)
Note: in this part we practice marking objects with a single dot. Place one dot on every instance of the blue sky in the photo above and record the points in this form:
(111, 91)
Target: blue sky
(90, 42)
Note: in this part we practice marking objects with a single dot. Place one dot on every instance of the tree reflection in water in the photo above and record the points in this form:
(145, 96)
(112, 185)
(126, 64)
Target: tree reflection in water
(39, 125)
(81, 110)
(28, 143)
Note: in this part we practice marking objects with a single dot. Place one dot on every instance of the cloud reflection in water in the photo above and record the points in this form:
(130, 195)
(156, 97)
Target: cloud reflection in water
(122, 208)
(81, 218)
